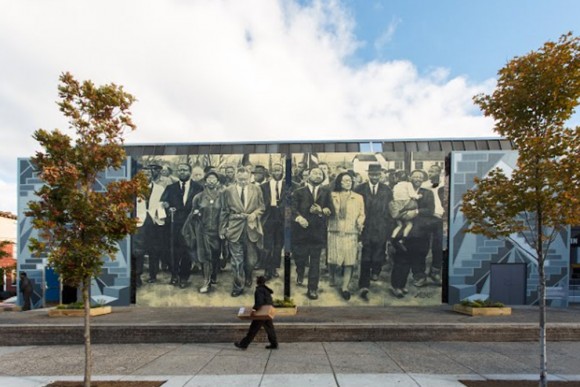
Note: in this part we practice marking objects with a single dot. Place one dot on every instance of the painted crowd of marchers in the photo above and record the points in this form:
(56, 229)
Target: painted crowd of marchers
(365, 229)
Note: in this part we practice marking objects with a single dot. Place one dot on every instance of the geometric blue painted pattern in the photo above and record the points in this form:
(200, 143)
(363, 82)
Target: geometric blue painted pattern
(113, 286)
(470, 256)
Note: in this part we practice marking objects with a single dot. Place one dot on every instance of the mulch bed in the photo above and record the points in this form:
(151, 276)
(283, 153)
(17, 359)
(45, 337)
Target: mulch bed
(516, 383)
(109, 383)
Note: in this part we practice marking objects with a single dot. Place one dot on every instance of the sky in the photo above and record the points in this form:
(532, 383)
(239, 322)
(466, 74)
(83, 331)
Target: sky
(266, 70)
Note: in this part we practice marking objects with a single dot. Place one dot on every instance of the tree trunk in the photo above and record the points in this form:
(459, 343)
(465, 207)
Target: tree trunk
(87, 306)
(542, 302)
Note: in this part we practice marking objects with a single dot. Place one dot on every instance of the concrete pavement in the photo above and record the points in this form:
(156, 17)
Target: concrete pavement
(294, 364)
(311, 324)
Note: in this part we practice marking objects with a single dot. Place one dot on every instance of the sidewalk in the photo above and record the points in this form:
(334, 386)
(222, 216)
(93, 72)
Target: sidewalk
(293, 364)
(311, 324)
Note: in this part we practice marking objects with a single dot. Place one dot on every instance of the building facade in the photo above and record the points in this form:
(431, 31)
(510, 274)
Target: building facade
(333, 217)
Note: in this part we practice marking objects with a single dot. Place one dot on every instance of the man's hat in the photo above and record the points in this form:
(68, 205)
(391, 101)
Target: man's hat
(260, 169)
(374, 168)
(154, 166)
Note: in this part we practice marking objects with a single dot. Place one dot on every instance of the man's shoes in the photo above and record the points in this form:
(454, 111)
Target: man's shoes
(238, 345)
(405, 291)
(364, 294)
(346, 295)
(420, 282)
(272, 346)
(213, 281)
(182, 285)
(237, 293)
(396, 292)
(300, 280)
(174, 281)
(204, 289)
(312, 294)
(374, 277)
(436, 277)
(151, 280)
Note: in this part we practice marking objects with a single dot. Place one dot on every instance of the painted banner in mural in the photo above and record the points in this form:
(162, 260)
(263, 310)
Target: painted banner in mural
(366, 228)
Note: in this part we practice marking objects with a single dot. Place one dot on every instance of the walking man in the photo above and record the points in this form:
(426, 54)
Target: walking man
(262, 296)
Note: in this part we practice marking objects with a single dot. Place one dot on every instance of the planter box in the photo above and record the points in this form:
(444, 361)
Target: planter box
(79, 312)
(266, 312)
(286, 311)
(9, 308)
(494, 311)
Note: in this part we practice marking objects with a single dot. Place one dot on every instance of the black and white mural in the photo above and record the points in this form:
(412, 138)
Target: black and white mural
(363, 228)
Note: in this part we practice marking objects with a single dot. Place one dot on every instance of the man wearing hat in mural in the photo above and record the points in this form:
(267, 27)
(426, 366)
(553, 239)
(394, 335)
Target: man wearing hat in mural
(377, 228)
(242, 207)
(260, 174)
(204, 219)
(151, 238)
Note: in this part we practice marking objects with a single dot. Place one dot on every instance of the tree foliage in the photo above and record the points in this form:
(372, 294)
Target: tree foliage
(535, 96)
(78, 224)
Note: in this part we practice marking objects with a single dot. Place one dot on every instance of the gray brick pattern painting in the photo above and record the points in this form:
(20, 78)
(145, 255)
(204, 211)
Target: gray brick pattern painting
(112, 287)
(471, 256)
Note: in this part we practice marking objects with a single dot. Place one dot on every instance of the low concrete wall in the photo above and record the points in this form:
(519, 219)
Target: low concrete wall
(287, 332)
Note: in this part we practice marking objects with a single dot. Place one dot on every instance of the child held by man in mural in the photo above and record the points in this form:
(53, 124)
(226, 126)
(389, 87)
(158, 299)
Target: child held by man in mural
(402, 208)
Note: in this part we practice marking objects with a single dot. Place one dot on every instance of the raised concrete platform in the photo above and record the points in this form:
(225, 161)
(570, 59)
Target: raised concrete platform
(205, 325)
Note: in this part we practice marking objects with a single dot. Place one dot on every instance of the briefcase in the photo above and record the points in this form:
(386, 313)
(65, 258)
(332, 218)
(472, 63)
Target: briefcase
(266, 312)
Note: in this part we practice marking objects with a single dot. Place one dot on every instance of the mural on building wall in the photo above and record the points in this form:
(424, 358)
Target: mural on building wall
(473, 257)
(366, 229)
(113, 287)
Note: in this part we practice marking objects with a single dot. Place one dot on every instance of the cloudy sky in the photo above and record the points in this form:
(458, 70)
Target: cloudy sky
(266, 70)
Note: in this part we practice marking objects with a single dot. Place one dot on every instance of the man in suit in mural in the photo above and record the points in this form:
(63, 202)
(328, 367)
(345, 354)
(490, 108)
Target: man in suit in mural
(377, 227)
(153, 231)
(274, 192)
(309, 213)
(260, 174)
(177, 200)
(418, 241)
(240, 225)
(434, 184)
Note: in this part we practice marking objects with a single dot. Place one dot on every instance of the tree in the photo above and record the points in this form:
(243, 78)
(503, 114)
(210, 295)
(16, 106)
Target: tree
(78, 225)
(535, 96)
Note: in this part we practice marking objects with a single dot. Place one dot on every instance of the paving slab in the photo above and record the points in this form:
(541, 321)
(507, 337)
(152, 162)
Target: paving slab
(373, 380)
(298, 380)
